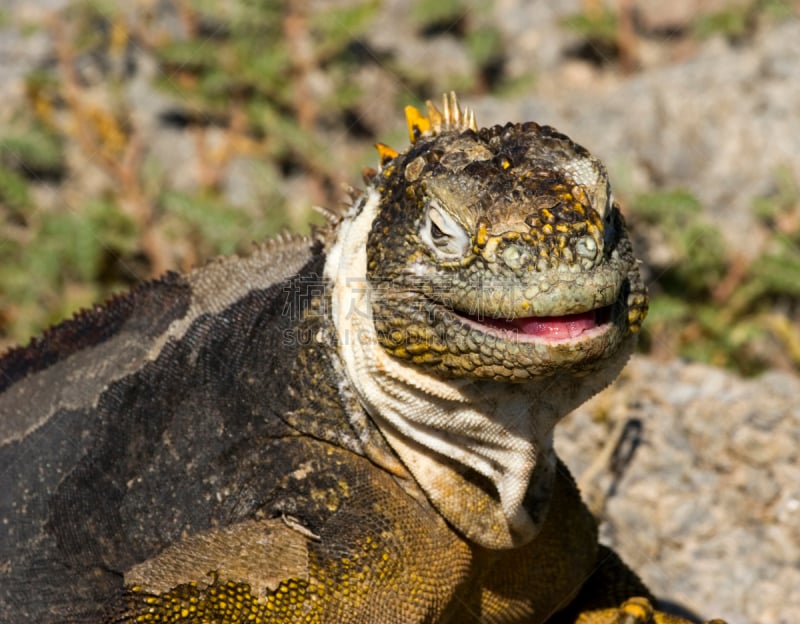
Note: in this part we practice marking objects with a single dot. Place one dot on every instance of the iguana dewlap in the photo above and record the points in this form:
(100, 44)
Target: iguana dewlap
(350, 427)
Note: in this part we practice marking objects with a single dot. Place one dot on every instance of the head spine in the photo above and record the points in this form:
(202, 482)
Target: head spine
(451, 117)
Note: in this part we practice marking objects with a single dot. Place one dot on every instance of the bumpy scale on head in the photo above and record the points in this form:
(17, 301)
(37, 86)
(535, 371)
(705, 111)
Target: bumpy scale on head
(499, 253)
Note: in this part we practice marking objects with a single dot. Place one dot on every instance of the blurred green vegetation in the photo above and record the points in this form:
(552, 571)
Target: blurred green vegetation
(712, 305)
(740, 19)
(600, 26)
(255, 94)
(87, 209)
(610, 33)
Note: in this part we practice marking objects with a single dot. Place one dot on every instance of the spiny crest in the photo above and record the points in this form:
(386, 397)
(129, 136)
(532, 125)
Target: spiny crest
(451, 117)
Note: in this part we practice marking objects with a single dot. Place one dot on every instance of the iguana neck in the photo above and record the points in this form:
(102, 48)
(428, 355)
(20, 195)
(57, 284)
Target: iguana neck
(480, 450)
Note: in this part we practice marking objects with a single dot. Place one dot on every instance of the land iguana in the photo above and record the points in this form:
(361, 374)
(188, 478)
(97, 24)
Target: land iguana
(353, 426)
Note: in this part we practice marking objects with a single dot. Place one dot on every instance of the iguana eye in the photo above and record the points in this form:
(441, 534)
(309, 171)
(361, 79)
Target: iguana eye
(442, 233)
(436, 233)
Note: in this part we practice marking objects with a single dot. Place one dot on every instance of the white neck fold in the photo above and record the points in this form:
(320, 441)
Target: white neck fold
(440, 427)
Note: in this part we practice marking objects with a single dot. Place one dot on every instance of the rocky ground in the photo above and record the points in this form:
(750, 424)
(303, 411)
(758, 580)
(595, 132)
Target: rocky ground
(708, 507)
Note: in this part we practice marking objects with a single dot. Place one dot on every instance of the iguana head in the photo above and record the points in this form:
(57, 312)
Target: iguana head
(482, 288)
(499, 252)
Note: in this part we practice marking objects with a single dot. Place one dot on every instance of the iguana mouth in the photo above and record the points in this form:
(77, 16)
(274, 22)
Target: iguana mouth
(548, 328)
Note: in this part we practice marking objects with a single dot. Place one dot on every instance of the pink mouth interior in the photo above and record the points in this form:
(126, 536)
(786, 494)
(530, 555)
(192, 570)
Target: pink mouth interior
(551, 327)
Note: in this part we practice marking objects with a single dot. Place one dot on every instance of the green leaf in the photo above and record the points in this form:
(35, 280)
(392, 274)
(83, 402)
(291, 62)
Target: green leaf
(13, 190)
(35, 150)
(597, 25)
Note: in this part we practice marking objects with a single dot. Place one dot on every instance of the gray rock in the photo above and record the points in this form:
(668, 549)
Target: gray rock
(708, 511)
